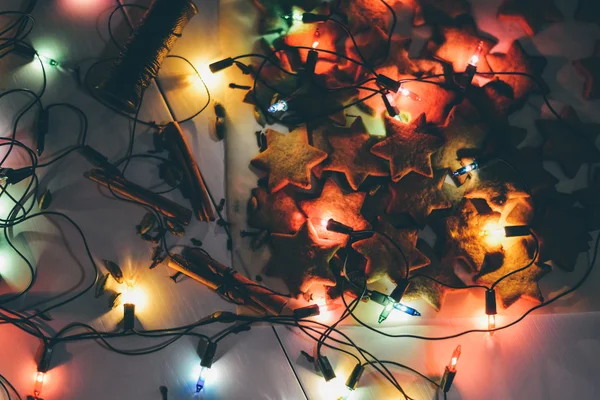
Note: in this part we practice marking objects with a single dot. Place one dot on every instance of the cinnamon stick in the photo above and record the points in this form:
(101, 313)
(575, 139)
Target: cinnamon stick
(271, 302)
(193, 183)
(134, 192)
(208, 278)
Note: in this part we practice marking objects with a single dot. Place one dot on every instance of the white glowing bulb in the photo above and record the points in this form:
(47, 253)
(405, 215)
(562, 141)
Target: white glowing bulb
(315, 44)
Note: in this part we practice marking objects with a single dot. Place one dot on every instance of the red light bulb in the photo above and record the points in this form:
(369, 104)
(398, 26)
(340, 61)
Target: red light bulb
(491, 324)
(454, 359)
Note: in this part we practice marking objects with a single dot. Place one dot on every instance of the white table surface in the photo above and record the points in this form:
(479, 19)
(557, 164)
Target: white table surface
(550, 356)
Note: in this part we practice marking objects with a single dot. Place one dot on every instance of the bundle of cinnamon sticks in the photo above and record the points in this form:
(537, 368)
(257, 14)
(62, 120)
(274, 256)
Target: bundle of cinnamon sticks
(192, 186)
(131, 191)
(199, 266)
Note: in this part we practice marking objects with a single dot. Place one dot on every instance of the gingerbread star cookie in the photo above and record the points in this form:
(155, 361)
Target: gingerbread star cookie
(569, 149)
(418, 196)
(276, 212)
(422, 288)
(467, 237)
(463, 138)
(516, 60)
(530, 14)
(460, 44)
(383, 258)
(288, 159)
(351, 155)
(588, 68)
(408, 147)
(366, 14)
(522, 284)
(302, 259)
(333, 203)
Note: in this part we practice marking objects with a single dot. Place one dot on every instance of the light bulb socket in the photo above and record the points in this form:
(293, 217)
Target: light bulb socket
(335, 226)
(308, 311)
(221, 65)
(399, 290)
(490, 302)
(378, 297)
(207, 354)
(469, 74)
(447, 380)
(309, 18)
(352, 381)
(44, 357)
(325, 367)
(24, 51)
(388, 83)
(517, 230)
(128, 316)
(360, 235)
(391, 110)
(311, 62)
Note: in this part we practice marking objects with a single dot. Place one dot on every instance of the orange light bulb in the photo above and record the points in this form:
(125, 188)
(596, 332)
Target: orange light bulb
(491, 323)
(477, 55)
(39, 383)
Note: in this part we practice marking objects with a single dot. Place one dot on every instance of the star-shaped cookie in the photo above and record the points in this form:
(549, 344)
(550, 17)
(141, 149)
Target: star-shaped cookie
(276, 212)
(589, 68)
(568, 148)
(422, 288)
(516, 60)
(302, 259)
(418, 196)
(366, 14)
(520, 285)
(466, 237)
(351, 155)
(463, 138)
(333, 203)
(460, 44)
(383, 257)
(288, 159)
(530, 14)
(408, 147)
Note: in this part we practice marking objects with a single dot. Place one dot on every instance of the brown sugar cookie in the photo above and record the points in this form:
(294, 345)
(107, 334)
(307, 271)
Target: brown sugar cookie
(288, 159)
(366, 14)
(383, 258)
(351, 155)
(530, 14)
(522, 284)
(333, 203)
(562, 235)
(588, 11)
(460, 44)
(589, 68)
(302, 259)
(318, 138)
(569, 149)
(516, 60)
(436, 101)
(408, 147)
(418, 196)
(276, 212)
(462, 138)
(467, 238)
(423, 288)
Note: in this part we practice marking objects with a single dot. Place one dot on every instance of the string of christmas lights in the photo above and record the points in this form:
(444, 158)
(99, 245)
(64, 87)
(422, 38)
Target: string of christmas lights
(21, 213)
